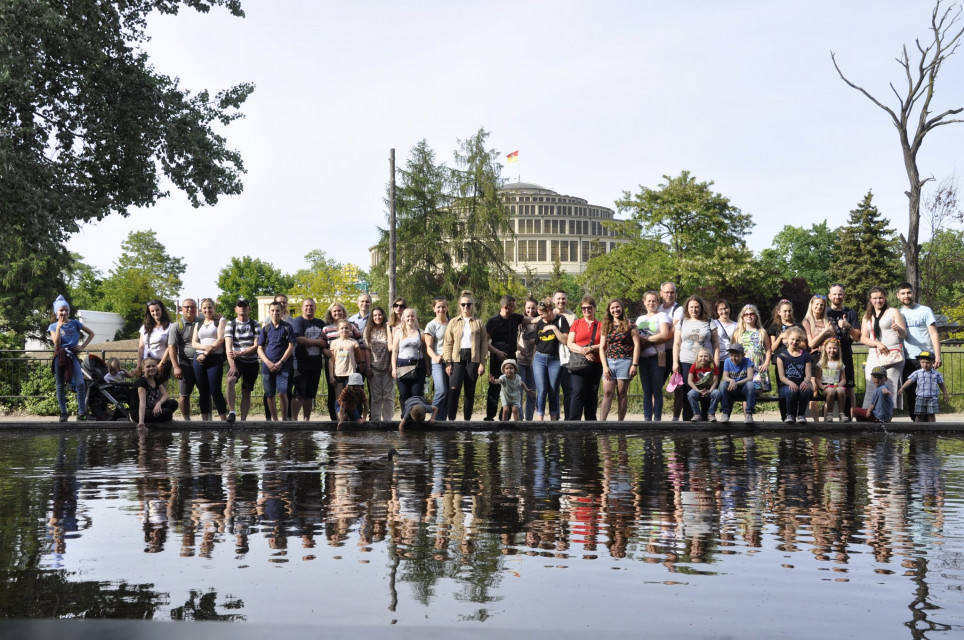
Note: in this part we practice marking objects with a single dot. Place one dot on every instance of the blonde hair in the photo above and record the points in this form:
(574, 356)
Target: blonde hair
(741, 323)
(113, 365)
(823, 352)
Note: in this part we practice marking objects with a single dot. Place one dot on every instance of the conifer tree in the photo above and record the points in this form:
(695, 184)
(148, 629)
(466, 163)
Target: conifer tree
(866, 254)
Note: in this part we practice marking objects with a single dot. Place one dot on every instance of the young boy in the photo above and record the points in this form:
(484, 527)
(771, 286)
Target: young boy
(882, 409)
(415, 410)
(512, 388)
(276, 343)
(702, 380)
(738, 383)
(353, 401)
(928, 380)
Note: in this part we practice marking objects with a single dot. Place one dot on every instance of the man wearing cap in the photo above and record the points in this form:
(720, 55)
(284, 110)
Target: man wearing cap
(309, 363)
(921, 336)
(241, 347)
(181, 354)
(737, 382)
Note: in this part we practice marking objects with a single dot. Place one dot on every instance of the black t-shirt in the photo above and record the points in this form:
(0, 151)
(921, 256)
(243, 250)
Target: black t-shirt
(776, 329)
(503, 331)
(843, 335)
(153, 394)
(546, 341)
(308, 358)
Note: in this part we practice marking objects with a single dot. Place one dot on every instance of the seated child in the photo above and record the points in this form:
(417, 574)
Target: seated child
(829, 379)
(150, 402)
(115, 373)
(353, 401)
(928, 380)
(512, 388)
(737, 382)
(415, 409)
(794, 371)
(702, 380)
(882, 409)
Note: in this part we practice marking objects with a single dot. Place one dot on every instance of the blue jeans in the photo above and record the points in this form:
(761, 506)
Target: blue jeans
(546, 371)
(440, 399)
(529, 380)
(694, 397)
(797, 401)
(651, 376)
(746, 391)
(76, 380)
(208, 375)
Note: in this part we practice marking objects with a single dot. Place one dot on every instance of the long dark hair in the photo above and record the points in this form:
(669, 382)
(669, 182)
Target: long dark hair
(149, 319)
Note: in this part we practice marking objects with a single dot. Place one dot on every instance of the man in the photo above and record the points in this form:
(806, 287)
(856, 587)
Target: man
(275, 347)
(241, 347)
(844, 320)
(283, 299)
(674, 311)
(309, 363)
(360, 319)
(921, 336)
(503, 328)
(561, 299)
(181, 354)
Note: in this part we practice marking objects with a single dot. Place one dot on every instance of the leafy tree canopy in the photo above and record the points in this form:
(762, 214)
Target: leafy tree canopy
(866, 254)
(327, 281)
(249, 278)
(796, 252)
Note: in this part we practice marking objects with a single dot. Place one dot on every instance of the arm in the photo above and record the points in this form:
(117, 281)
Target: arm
(286, 355)
(769, 351)
(900, 325)
(677, 342)
(220, 339)
(90, 336)
(142, 406)
(484, 337)
(936, 342)
(663, 335)
(395, 359)
(140, 351)
(783, 378)
(229, 352)
(715, 341)
(637, 349)
(867, 338)
(429, 341)
(807, 374)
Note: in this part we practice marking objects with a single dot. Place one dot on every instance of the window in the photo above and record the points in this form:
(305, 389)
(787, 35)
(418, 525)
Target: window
(554, 251)
(509, 251)
(564, 251)
(573, 251)
(572, 227)
(538, 226)
(542, 250)
(585, 251)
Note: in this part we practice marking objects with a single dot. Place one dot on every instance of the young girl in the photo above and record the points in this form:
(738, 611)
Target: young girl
(381, 384)
(150, 397)
(345, 353)
(794, 373)
(65, 334)
(621, 355)
(353, 401)
(434, 338)
(817, 325)
(829, 380)
(702, 381)
(408, 351)
(115, 373)
(724, 326)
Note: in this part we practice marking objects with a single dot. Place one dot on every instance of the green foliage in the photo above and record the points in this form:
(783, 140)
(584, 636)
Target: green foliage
(866, 253)
(89, 128)
(327, 281)
(796, 252)
(249, 278)
(628, 271)
(84, 285)
(143, 272)
(40, 381)
(559, 280)
(942, 269)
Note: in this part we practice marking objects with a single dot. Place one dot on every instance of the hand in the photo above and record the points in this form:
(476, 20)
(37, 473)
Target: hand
(732, 386)
(608, 374)
(793, 386)
(448, 370)
(157, 409)
(233, 372)
(804, 386)
(177, 372)
(481, 369)
(532, 393)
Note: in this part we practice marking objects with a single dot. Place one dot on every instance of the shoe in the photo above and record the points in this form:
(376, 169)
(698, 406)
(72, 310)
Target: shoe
(725, 418)
(232, 417)
(788, 420)
(696, 419)
(63, 417)
(82, 417)
(712, 418)
(488, 419)
(748, 418)
(845, 418)
(801, 419)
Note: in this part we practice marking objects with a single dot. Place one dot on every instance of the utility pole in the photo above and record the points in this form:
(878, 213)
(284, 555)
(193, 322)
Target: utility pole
(392, 289)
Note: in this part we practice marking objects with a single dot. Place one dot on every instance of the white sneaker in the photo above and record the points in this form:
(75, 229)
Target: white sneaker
(725, 418)
(788, 419)
(748, 418)
(696, 418)
(801, 419)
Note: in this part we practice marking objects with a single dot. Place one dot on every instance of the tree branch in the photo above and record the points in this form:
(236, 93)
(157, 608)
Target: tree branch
(850, 84)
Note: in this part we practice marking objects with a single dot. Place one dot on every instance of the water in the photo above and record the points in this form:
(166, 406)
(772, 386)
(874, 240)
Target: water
(766, 536)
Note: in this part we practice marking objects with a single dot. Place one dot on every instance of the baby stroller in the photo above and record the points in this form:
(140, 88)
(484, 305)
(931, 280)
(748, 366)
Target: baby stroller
(105, 400)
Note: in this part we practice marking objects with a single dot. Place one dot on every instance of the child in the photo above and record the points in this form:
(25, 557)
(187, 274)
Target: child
(353, 401)
(702, 379)
(115, 373)
(738, 382)
(794, 372)
(345, 353)
(150, 401)
(512, 388)
(829, 377)
(928, 381)
(276, 345)
(415, 410)
(882, 404)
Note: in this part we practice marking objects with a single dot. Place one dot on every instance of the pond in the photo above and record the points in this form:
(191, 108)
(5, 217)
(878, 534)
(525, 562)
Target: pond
(769, 536)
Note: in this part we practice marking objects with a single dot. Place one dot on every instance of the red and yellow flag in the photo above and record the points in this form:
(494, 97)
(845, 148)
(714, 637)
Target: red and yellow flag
(513, 157)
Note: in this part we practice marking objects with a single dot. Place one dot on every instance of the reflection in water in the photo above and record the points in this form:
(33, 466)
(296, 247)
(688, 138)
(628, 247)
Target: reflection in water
(457, 516)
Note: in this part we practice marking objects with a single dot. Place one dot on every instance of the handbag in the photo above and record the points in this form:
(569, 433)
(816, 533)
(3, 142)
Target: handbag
(892, 358)
(761, 380)
(408, 372)
(578, 361)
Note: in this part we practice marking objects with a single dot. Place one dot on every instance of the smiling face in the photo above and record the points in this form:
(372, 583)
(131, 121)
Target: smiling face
(616, 310)
(378, 317)
(364, 304)
(62, 313)
(703, 359)
(560, 300)
(441, 308)
(750, 317)
(836, 296)
(408, 317)
(189, 310)
(817, 307)
(155, 311)
(796, 342)
(833, 350)
(786, 313)
(878, 300)
(207, 308)
(338, 312)
(723, 311)
(465, 307)
(668, 292)
(308, 309)
(344, 330)
(651, 302)
(906, 296)
(694, 308)
(531, 310)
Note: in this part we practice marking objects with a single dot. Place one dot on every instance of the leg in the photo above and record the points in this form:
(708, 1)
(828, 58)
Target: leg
(441, 383)
(693, 397)
(622, 398)
(609, 389)
(80, 385)
(591, 393)
(515, 413)
(204, 391)
(455, 388)
(681, 391)
(230, 393)
(61, 395)
(282, 384)
(749, 394)
(215, 371)
(540, 370)
(577, 403)
(492, 396)
(525, 371)
(565, 385)
(554, 371)
(471, 378)
(245, 403)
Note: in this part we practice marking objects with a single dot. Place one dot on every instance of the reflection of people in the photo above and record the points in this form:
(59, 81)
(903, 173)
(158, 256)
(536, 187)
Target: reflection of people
(65, 334)
(151, 401)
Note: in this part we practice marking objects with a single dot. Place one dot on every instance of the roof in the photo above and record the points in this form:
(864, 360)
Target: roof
(525, 186)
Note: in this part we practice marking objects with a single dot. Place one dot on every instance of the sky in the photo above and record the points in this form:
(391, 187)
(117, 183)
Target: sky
(598, 98)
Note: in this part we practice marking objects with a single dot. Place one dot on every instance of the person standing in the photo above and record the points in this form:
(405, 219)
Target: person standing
(844, 321)
(309, 362)
(654, 329)
(552, 333)
(921, 336)
(692, 334)
(381, 385)
(181, 354)
(466, 343)
(584, 339)
(561, 301)
(503, 329)
(434, 346)
(360, 319)
(883, 331)
(525, 348)
(208, 343)
(65, 334)
(241, 348)
(674, 311)
(276, 344)
(153, 336)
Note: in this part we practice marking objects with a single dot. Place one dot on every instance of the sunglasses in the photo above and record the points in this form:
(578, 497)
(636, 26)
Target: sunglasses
(399, 306)
(588, 308)
(465, 304)
(749, 314)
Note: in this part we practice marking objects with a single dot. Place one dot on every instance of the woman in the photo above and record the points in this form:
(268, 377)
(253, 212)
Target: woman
(619, 346)
(724, 326)
(395, 319)
(692, 334)
(380, 384)
(208, 343)
(817, 324)
(65, 334)
(584, 339)
(524, 351)
(654, 332)
(755, 342)
(883, 330)
(434, 346)
(466, 346)
(153, 339)
(551, 331)
(409, 351)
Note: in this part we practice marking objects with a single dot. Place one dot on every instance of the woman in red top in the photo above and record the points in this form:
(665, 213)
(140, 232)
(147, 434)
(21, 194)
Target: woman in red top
(584, 337)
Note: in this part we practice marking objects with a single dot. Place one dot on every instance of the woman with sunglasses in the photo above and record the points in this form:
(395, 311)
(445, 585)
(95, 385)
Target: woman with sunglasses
(551, 331)
(584, 338)
(755, 340)
(466, 346)
(395, 319)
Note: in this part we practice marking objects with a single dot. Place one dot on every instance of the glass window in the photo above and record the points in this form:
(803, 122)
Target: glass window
(542, 250)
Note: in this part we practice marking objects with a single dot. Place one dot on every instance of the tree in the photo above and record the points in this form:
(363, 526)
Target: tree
(691, 219)
(84, 285)
(628, 271)
(249, 278)
(866, 254)
(143, 272)
(327, 281)
(913, 117)
(803, 253)
(942, 269)
(89, 128)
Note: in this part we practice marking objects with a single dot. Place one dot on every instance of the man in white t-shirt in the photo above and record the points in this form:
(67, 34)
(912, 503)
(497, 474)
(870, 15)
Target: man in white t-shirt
(921, 336)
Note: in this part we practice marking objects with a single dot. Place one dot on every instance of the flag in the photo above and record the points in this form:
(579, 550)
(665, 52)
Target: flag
(513, 157)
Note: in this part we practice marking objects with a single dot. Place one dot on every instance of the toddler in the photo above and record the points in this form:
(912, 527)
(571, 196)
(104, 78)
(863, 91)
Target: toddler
(928, 380)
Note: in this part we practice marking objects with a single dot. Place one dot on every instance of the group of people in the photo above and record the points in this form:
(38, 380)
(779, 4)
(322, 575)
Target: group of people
(544, 363)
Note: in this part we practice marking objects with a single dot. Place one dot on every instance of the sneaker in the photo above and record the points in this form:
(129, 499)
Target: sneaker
(724, 418)
(696, 419)
(845, 418)
(82, 417)
(232, 417)
(801, 419)
(788, 419)
(748, 418)
(712, 418)
(63, 417)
